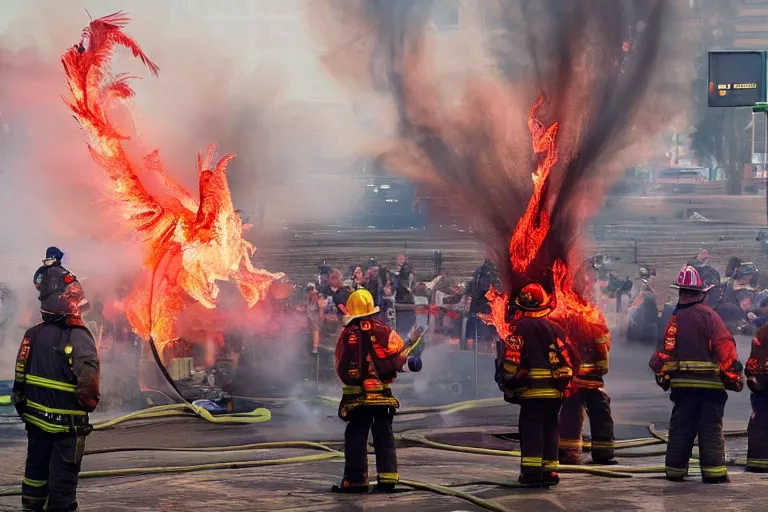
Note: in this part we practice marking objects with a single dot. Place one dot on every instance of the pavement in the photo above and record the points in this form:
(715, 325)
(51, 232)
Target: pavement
(304, 486)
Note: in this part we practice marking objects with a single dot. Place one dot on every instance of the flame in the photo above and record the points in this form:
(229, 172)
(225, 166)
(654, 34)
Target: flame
(190, 242)
(532, 228)
(497, 300)
(582, 320)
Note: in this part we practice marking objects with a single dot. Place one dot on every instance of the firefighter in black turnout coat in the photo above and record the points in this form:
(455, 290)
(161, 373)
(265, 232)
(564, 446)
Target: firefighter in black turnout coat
(534, 368)
(56, 385)
(369, 354)
(757, 380)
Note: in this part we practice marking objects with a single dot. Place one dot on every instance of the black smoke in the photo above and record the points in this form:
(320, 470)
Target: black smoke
(602, 67)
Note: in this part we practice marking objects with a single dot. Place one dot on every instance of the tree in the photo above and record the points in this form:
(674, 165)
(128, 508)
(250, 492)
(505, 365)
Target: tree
(713, 29)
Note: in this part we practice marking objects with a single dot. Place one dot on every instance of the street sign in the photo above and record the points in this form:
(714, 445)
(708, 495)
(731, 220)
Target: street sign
(737, 78)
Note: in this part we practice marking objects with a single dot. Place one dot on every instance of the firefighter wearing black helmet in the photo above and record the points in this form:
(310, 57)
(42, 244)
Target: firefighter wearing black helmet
(56, 385)
(534, 367)
(52, 261)
(588, 395)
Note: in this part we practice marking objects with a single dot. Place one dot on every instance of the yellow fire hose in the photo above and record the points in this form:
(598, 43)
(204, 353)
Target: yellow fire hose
(260, 415)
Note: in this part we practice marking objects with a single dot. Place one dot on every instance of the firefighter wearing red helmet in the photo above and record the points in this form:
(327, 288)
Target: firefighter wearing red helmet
(697, 359)
(369, 354)
(534, 367)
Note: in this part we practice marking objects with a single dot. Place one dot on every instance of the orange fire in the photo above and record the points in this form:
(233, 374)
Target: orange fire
(532, 228)
(191, 242)
(527, 239)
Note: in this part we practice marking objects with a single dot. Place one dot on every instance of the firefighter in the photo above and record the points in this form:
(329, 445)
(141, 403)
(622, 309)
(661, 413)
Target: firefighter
(56, 385)
(534, 366)
(53, 257)
(697, 359)
(588, 393)
(368, 356)
(757, 380)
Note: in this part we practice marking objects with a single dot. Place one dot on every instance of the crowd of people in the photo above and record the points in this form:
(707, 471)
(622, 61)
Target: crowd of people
(738, 295)
(400, 298)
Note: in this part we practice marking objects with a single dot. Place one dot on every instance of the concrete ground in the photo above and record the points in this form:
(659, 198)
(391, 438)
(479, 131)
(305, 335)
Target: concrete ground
(304, 486)
(664, 240)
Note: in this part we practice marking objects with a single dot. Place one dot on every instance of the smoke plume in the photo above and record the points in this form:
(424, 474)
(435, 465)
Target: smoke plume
(607, 71)
(246, 91)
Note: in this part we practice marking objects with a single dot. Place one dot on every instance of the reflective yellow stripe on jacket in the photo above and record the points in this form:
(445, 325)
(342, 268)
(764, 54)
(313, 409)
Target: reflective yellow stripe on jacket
(684, 382)
(50, 410)
(541, 393)
(698, 366)
(539, 373)
(694, 374)
(43, 382)
(52, 428)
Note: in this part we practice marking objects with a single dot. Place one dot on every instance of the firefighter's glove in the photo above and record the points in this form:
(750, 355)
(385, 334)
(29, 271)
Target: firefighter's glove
(414, 334)
(754, 385)
(414, 364)
(663, 381)
(19, 403)
(733, 384)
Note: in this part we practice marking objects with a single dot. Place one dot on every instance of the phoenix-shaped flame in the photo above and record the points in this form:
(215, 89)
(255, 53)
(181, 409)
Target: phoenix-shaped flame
(191, 242)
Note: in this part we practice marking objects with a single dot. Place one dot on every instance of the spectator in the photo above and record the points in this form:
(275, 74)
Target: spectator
(400, 261)
(374, 285)
(335, 292)
(708, 273)
(314, 316)
(732, 266)
(482, 280)
(358, 278)
(406, 318)
(760, 317)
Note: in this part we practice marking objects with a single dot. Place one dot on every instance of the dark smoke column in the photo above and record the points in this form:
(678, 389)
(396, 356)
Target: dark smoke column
(603, 67)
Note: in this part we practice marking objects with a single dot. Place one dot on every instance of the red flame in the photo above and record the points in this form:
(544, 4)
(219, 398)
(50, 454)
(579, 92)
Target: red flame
(532, 228)
(581, 319)
(191, 242)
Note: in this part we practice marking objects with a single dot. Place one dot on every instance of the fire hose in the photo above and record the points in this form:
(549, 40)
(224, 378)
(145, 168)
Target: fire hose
(331, 453)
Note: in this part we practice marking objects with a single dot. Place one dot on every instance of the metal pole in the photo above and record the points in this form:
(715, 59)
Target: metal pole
(765, 166)
(477, 389)
(635, 242)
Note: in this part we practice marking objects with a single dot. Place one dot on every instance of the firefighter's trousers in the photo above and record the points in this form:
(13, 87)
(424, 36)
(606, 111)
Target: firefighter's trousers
(376, 419)
(538, 427)
(757, 451)
(53, 466)
(598, 407)
(697, 412)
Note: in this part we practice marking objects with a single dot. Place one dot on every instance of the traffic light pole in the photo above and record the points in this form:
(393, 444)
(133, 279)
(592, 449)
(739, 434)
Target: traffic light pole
(763, 107)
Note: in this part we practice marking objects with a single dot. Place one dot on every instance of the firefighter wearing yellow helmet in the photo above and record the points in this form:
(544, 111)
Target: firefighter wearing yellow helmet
(369, 354)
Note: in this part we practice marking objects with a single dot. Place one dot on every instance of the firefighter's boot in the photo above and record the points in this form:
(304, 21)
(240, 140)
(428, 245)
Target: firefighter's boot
(385, 487)
(349, 488)
(530, 480)
(550, 479)
(716, 479)
(570, 457)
